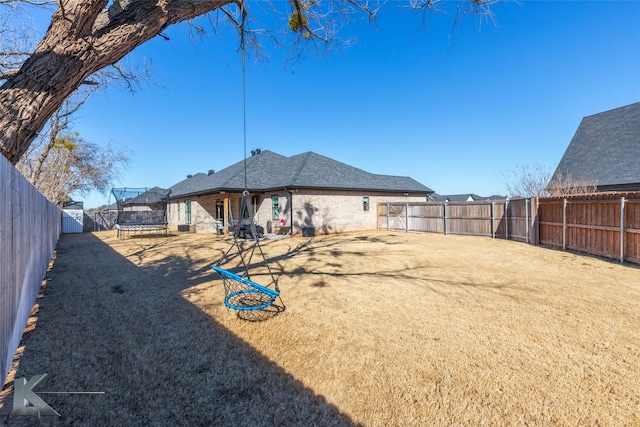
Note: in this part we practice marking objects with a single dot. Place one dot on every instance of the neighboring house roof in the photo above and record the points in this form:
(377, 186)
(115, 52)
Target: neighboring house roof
(268, 171)
(456, 197)
(469, 197)
(73, 205)
(495, 197)
(605, 150)
(141, 196)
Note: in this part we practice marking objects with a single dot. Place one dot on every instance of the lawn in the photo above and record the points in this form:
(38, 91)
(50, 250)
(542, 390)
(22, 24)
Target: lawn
(379, 329)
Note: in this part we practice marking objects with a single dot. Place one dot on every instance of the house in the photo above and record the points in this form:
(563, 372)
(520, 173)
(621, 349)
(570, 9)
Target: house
(456, 197)
(305, 191)
(605, 152)
(463, 197)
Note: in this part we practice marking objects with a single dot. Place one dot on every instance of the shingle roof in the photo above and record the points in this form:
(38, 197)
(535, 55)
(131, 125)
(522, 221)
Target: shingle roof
(605, 149)
(140, 196)
(464, 197)
(271, 171)
(151, 196)
(455, 197)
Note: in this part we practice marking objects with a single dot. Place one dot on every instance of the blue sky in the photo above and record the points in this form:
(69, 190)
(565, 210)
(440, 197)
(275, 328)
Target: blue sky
(453, 110)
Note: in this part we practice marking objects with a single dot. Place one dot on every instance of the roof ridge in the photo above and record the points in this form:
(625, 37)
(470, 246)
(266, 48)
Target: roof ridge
(270, 170)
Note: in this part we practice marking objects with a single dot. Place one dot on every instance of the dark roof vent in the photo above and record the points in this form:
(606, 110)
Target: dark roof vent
(189, 176)
(211, 172)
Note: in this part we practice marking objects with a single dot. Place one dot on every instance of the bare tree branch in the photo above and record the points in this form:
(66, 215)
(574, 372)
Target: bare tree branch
(527, 181)
(17, 39)
(29, 2)
(566, 185)
(537, 180)
(69, 164)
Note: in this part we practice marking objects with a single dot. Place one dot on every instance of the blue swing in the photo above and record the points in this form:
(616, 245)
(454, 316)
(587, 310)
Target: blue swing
(242, 293)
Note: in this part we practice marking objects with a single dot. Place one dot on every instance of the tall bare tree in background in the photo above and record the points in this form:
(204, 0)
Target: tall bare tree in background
(565, 185)
(85, 36)
(539, 180)
(527, 181)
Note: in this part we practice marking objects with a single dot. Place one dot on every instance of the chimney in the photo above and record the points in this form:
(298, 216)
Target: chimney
(211, 172)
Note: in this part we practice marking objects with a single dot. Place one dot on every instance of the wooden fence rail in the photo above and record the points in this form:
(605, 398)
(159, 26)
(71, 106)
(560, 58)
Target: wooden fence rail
(602, 224)
(606, 225)
(506, 219)
(29, 230)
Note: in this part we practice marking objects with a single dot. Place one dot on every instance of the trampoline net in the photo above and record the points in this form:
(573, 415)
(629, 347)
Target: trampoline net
(141, 205)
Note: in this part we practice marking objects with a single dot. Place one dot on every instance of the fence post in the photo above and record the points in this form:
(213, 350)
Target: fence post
(445, 217)
(535, 226)
(506, 219)
(526, 219)
(388, 216)
(622, 230)
(493, 223)
(564, 224)
(406, 217)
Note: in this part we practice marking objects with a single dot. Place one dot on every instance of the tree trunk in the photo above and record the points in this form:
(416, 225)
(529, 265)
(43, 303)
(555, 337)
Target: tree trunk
(83, 38)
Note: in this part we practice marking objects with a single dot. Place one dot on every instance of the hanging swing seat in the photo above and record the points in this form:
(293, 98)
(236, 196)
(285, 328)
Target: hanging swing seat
(243, 294)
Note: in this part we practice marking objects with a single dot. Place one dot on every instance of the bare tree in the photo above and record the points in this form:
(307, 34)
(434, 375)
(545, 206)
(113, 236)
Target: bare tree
(68, 164)
(565, 185)
(86, 36)
(538, 180)
(527, 181)
(17, 36)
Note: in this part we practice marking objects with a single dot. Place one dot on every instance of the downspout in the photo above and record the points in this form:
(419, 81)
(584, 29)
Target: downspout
(291, 213)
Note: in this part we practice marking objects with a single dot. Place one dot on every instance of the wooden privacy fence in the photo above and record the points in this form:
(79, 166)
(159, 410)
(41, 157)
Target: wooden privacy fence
(602, 224)
(605, 224)
(29, 231)
(510, 219)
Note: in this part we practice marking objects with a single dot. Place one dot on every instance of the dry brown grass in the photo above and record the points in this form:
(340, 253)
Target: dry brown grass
(380, 329)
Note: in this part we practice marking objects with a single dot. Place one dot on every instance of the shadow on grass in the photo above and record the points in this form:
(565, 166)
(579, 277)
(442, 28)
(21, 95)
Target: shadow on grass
(106, 324)
(331, 254)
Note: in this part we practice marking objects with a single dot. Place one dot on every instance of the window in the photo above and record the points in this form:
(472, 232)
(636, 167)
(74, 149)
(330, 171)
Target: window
(178, 211)
(365, 204)
(255, 202)
(187, 212)
(275, 206)
(219, 210)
